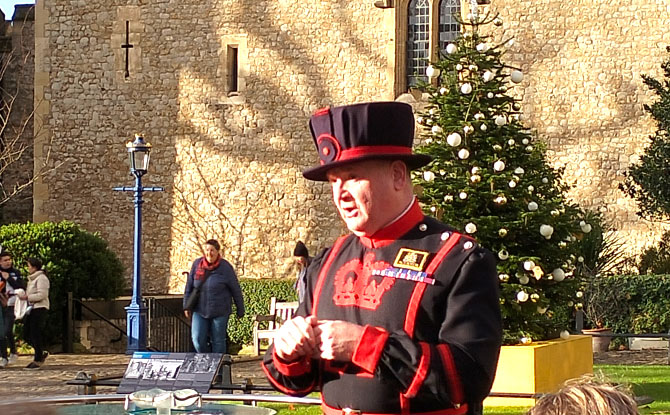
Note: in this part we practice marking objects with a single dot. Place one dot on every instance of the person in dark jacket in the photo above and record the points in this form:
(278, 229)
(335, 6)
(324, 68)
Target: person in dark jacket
(402, 315)
(10, 282)
(302, 258)
(219, 287)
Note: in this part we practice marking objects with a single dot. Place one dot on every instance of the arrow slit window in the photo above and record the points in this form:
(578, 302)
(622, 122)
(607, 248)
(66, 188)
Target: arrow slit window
(233, 70)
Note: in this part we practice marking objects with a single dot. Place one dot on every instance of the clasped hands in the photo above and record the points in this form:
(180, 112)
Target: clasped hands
(324, 339)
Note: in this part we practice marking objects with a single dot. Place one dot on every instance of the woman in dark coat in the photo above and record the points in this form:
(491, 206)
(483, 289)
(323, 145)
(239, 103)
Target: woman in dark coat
(219, 287)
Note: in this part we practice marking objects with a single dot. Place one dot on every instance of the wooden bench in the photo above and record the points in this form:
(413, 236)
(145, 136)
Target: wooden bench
(265, 326)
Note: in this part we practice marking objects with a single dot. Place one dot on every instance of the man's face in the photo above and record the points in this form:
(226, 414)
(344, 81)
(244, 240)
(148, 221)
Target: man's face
(6, 262)
(300, 260)
(363, 195)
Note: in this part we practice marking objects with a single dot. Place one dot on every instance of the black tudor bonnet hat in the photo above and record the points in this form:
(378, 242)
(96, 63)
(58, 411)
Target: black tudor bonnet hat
(300, 249)
(373, 130)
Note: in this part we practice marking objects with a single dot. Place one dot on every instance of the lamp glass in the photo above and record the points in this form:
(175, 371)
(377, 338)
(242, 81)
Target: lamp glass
(139, 159)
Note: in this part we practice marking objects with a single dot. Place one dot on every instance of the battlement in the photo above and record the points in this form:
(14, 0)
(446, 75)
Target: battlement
(23, 13)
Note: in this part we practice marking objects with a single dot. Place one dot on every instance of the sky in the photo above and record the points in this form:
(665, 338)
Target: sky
(7, 6)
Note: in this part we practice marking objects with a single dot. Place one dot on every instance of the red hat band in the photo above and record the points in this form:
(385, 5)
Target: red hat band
(362, 151)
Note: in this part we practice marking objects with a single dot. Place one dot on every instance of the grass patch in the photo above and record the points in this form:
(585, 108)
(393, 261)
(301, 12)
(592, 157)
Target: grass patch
(285, 409)
(506, 410)
(289, 409)
(652, 381)
(649, 380)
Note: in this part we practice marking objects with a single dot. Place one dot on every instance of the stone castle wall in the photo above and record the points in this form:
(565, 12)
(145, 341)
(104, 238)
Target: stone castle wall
(583, 93)
(230, 161)
(97, 336)
(16, 81)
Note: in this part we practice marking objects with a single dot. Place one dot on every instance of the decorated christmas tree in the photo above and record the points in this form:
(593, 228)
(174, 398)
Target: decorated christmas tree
(491, 180)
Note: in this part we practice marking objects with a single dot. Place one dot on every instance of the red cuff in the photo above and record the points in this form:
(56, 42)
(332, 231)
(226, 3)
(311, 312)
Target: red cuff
(421, 371)
(369, 348)
(451, 373)
(284, 389)
(296, 368)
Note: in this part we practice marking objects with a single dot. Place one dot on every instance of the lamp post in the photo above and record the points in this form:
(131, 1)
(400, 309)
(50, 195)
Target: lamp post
(136, 312)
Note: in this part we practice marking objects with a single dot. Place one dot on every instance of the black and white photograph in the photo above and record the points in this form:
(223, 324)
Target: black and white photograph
(135, 369)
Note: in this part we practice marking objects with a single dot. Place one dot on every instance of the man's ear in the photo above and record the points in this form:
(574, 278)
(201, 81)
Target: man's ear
(400, 174)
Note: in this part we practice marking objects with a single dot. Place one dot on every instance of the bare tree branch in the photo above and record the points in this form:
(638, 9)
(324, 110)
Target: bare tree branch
(17, 113)
(203, 198)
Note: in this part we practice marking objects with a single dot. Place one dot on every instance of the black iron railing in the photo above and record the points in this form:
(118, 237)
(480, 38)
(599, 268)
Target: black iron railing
(68, 339)
(167, 331)
(579, 326)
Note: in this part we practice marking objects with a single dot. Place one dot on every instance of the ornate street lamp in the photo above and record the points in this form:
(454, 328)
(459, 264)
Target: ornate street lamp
(136, 312)
(139, 155)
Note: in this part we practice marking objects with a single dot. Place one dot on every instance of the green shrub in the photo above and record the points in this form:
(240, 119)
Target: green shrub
(656, 260)
(257, 295)
(601, 251)
(633, 303)
(75, 260)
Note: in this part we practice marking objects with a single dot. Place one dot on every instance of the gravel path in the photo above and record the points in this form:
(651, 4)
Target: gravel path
(16, 382)
(49, 380)
(632, 357)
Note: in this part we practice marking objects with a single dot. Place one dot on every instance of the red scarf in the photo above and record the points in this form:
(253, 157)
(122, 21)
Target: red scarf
(206, 266)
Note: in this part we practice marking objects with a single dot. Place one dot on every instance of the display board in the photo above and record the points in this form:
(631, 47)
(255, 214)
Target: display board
(170, 371)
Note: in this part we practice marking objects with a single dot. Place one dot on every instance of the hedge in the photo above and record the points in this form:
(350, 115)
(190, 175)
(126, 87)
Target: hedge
(257, 295)
(75, 261)
(631, 303)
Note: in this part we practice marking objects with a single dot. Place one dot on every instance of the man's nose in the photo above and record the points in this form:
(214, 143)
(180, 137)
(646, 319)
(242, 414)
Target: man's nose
(336, 186)
(341, 189)
(344, 194)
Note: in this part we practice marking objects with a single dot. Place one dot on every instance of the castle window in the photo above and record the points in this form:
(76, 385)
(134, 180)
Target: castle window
(449, 26)
(418, 41)
(233, 70)
(422, 28)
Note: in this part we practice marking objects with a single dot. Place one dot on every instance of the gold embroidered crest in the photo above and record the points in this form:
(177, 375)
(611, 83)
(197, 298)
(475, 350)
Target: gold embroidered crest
(411, 259)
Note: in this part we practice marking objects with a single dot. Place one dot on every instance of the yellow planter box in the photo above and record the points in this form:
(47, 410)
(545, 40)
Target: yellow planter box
(540, 367)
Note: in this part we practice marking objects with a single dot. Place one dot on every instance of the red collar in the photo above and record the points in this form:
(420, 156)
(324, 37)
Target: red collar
(396, 229)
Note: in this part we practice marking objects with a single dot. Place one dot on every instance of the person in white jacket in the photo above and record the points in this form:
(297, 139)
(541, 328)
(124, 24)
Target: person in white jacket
(37, 294)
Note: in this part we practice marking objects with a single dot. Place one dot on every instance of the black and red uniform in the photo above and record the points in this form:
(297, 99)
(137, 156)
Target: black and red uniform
(428, 298)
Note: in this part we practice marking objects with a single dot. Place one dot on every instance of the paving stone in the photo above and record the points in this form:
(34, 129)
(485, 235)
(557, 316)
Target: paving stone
(16, 382)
